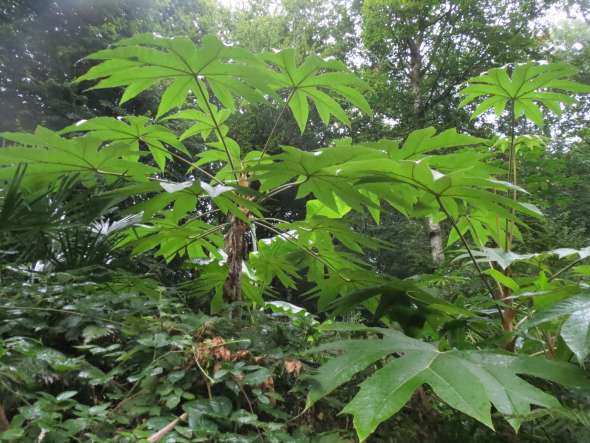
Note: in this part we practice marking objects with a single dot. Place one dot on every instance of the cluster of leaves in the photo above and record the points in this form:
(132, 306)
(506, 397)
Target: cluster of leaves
(86, 358)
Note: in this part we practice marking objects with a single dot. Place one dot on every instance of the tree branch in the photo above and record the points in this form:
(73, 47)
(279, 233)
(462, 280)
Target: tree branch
(166, 429)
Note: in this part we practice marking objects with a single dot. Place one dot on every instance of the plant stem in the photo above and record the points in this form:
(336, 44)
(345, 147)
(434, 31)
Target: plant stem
(275, 125)
(511, 176)
(566, 268)
(4, 423)
(217, 129)
(278, 190)
(475, 263)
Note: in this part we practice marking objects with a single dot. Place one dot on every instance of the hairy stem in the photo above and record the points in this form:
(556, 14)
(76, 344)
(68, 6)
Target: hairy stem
(4, 423)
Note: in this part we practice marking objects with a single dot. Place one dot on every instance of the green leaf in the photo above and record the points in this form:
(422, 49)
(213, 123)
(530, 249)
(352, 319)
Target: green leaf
(532, 112)
(469, 381)
(93, 332)
(503, 279)
(529, 85)
(12, 434)
(358, 355)
(426, 140)
(175, 95)
(575, 330)
(495, 102)
(66, 395)
(300, 108)
(131, 132)
(570, 86)
(49, 156)
(373, 404)
(145, 60)
(314, 79)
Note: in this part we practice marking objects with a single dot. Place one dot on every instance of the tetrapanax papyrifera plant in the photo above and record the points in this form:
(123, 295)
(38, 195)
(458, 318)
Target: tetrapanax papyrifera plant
(520, 92)
(198, 196)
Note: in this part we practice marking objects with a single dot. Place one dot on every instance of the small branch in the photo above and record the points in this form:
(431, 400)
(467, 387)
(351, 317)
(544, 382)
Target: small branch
(128, 399)
(208, 379)
(204, 214)
(166, 429)
(251, 410)
(207, 376)
(566, 268)
(278, 190)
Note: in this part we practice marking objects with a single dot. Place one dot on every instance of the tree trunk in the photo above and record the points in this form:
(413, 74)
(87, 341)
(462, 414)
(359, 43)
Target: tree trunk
(4, 423)
(434, 231)
(236, 248)
(436, 242)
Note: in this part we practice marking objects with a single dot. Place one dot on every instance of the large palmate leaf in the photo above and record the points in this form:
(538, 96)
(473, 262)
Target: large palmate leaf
(483, 226)
(133, 132)
(575, 329)
(311, 80)
(426, 140)
(48, 156)
(398, 297)
(528, 86)
(365, 174)
(145, 60)
(469, 381)
(308, 169)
